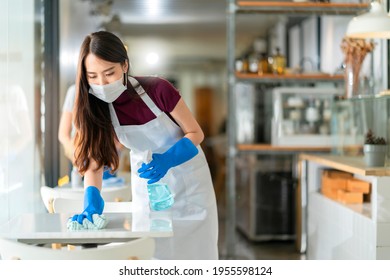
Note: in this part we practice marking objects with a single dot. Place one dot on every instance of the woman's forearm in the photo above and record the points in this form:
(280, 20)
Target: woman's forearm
(187, 123)
(93, 177)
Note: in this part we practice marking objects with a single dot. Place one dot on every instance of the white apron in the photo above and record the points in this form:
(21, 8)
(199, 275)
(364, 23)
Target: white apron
(194, 213)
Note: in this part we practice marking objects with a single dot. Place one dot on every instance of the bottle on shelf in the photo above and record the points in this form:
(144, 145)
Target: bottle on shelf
(258, 47)
(270, 59)
(278, 63)
(245, 64)
(253, 63)
(239, 65)
(242, 64)
(263, 65)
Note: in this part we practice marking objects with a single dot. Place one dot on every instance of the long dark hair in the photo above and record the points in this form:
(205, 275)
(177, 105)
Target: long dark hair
(95, 134)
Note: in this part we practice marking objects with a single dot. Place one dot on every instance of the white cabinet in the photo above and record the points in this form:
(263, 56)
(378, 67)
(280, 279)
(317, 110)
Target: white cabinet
(333, 230)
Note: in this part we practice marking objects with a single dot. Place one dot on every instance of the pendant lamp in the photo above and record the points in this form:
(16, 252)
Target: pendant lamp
(373, 24)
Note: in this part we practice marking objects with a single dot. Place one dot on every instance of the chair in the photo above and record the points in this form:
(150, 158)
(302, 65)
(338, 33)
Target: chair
(47, 195)
(64, 205)
(139, 249)
(122, 193)
(109, 194)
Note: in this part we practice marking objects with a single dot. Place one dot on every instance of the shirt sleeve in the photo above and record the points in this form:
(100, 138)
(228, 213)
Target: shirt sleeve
(69, 99)
(165, 95)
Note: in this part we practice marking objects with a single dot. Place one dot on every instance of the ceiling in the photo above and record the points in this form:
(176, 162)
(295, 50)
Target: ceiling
(186, 28)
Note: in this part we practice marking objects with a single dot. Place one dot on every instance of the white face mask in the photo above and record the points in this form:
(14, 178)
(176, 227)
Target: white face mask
(108, 93)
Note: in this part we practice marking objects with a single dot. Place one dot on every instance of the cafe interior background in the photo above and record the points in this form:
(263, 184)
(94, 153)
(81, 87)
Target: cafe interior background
(186, 42)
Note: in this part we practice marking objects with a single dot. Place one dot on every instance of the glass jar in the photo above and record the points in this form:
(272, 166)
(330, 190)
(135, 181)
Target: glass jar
(253, 63)
(245, 64)
(278, 63)
(351, 76)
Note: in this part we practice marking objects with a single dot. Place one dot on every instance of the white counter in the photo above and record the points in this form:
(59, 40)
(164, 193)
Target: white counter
(333, 230)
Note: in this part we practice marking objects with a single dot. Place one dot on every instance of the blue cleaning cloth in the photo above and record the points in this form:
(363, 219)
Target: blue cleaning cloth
(99, 222)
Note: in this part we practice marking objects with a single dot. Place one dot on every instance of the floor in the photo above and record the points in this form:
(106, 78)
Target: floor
(246, 249)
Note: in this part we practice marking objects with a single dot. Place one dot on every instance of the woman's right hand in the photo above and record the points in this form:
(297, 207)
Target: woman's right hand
(93, 204)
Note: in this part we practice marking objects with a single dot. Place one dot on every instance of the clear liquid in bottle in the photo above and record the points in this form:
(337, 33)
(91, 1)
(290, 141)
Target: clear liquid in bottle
(160, 197)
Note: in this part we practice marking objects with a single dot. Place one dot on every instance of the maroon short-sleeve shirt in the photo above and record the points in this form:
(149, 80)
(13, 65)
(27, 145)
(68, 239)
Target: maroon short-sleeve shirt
(133, 111)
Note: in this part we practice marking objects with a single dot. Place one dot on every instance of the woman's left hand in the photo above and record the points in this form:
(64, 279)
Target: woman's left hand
(179, 153)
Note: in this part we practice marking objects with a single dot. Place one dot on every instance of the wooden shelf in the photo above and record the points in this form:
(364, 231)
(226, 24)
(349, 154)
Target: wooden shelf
(301, 7)
(271, 78)
(347, 163)
(271, 148)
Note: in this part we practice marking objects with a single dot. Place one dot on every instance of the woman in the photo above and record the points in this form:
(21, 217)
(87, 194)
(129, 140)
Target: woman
(66, 135)
(146, 114)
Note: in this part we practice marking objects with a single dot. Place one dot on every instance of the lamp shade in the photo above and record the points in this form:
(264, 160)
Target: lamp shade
(374, 24)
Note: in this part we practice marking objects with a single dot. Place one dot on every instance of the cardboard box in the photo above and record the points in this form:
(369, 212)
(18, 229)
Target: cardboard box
(336, 174)
(330, 193)
(349, 197)
(356, 185)
(343, 187)
(333, 180)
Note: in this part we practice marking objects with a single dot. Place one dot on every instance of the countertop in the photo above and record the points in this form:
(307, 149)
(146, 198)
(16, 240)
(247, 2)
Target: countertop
(352, 164)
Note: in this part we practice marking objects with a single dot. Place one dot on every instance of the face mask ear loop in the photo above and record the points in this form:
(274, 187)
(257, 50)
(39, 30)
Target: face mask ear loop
(125, 78)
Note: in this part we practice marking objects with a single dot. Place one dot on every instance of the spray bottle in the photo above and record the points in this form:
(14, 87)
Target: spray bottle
(160, 196)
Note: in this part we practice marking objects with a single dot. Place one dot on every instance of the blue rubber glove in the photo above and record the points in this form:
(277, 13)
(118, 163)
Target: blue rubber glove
(179, 153)
(93, 204)
(107, 173)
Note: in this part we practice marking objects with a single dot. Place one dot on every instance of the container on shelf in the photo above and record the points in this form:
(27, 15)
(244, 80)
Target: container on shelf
(278, 63)
(263, 65)
(253, 63)
(301, 116)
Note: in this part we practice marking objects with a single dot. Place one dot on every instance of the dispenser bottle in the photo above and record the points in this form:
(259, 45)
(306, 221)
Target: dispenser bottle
(160, 196)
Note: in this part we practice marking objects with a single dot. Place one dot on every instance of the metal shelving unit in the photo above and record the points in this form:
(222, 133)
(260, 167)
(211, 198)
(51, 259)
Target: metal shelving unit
(241, 7)
(301, 78)
(300, 8)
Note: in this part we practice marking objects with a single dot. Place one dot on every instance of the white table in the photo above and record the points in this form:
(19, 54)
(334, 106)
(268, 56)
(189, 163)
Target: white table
(45, 228)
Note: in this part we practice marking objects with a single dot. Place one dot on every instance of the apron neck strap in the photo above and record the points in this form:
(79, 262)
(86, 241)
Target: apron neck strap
(145, 97)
